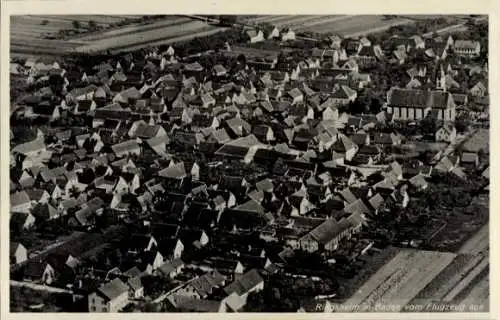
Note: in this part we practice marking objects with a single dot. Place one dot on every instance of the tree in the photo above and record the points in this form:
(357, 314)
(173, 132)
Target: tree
(227, 20)
(76, 24)
(92, 25)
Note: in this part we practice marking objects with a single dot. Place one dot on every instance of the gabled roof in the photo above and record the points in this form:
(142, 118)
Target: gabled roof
(113, 289)
(170, 266)
(343, 144)
(125, 146)
(31, 146)
(251, 206)
(245, 283)
(420, 98)
(344, 92)
(19, 198)
(176, 171)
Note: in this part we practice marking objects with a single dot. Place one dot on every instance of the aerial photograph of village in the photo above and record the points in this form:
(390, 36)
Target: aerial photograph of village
(249, 163)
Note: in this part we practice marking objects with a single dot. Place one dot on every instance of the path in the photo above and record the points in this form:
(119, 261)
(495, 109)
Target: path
(39, 287)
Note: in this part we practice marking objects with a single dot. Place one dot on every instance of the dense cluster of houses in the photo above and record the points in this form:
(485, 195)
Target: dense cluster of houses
(166, 151)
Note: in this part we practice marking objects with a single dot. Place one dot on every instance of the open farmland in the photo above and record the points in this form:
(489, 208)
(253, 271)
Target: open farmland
(37, 34)
(147, 36)
(31, 34)
(296, 22)
(352, 25)
(478, 243)
(400, 280)
(479, 294)
(459, 277)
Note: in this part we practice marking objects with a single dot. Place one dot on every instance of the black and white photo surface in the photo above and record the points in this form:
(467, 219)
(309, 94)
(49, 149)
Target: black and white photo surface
(249, 163)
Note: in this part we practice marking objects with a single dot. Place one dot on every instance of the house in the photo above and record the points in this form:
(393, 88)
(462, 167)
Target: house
(174, 171)
(152, 259)
(386, 139)
(79, 94)
(181, 303)
(418, 182)
(18, 253)
(274, 34)
(470, 160)
(126, 148)
(478, 90)
(467, 48)
(287, 35)
(242, 148)
(406, 104)
(20, 202)
(136, 289)
(127, 96)
(110, 297)
(250, 281)
(343, 96)
(327, 235)
(346, 147)
(254, 36)
(219, 70)
(84, 107)
(39, 272)
(296, 95)
(264, 133)
(31, 149)
(203, 286)
(171, 269)
(446, 133)
(140, 129)
(46, 110)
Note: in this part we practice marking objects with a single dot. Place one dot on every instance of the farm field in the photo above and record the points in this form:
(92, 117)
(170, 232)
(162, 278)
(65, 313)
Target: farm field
(449, 18)
(149, 36)
(355, 25)
(28, 32)
(169, 39)
(478, 243)
(296, 22)
(251, 52)
(133, 29)
(462, 273)
(400, 280)
(479, 294)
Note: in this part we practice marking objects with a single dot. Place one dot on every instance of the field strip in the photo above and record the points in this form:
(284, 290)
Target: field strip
(147, 36)
(478, 242)
(70, 19)
(35, 28)
(322, 22)
(374, 281)
(132, 29)
(378, 29)
(298, 20)
(266, 18)
(456, 277)
(479, 294)
(422, 271)
(467, 280)
(293, 20)
(170, 40)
